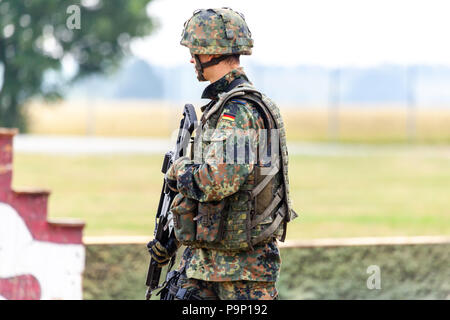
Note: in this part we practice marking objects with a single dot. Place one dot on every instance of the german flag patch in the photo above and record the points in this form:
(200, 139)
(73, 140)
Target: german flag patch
(228, 116)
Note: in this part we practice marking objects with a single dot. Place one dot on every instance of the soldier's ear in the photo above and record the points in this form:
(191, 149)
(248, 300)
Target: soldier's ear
(209, 57)
(204, 57)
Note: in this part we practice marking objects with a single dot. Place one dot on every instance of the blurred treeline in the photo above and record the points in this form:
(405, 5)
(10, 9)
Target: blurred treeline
(40, 39)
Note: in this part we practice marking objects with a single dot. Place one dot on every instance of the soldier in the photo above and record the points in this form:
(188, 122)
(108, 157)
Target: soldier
(229, 211)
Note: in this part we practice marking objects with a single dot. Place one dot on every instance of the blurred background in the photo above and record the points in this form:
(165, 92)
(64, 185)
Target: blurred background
(97, 87)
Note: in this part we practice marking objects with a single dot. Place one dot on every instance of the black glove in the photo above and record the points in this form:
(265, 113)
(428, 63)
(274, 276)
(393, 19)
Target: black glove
(172, 184)
(162, 253)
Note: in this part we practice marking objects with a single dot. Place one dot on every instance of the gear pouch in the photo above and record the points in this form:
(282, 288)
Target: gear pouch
(183, 210)
(210, 221)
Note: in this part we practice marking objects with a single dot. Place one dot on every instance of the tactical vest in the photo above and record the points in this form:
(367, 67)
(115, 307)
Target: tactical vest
(261, 208)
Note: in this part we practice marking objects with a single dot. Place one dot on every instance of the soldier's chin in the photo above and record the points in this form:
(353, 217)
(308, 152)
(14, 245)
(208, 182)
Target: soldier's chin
(199, 76)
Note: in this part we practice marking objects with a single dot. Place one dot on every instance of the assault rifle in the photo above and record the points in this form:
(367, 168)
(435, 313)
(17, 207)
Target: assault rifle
(163, 221)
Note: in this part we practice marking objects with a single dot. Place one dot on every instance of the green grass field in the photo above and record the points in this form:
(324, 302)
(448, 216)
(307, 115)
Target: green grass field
(376, 124)
(383, 193)
(403, 193)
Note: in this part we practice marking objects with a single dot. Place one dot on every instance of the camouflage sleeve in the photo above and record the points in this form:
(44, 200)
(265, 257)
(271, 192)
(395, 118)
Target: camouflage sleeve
(226, 159)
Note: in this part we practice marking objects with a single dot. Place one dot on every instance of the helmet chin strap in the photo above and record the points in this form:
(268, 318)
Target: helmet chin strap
(199, 66)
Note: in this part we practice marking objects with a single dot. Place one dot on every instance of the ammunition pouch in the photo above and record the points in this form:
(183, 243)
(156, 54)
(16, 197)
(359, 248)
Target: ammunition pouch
(251, 216)
(183, 211)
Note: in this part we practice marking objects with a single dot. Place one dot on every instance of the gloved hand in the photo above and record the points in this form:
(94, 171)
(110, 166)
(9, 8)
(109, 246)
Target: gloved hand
(162, 253)
(172, 184)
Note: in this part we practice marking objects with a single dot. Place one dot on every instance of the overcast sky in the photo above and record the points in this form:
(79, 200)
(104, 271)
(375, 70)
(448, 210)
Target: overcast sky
(318, 32)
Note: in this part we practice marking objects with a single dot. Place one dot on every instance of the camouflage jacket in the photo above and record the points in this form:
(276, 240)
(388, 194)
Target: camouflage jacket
(212, 181)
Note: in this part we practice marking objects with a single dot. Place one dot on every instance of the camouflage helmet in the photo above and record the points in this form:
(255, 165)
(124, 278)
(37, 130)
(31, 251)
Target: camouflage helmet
(217, 31)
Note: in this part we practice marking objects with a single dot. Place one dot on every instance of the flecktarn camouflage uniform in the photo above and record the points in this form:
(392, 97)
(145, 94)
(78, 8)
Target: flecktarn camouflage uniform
(214, 211)
(234, 275)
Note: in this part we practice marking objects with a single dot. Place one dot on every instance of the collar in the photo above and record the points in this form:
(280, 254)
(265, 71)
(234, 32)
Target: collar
(212, 91)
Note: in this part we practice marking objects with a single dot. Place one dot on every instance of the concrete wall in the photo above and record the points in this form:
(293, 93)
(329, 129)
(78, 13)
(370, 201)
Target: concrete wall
(39, 259)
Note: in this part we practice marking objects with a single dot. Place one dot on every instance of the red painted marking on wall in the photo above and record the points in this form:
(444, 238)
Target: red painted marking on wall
(23, 287)
(31, 205)
(5, 160)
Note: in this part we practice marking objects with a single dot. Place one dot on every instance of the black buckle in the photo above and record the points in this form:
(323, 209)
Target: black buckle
(183, 294)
